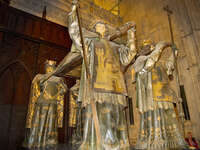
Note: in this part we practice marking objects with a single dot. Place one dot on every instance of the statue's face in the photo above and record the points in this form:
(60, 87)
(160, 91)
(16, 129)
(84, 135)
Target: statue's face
(100, 28)
(49, 69)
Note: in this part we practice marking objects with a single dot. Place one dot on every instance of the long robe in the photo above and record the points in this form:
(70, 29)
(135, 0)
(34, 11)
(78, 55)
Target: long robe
(45, 113)
(159, 128)
(75, 115)
(106, 60)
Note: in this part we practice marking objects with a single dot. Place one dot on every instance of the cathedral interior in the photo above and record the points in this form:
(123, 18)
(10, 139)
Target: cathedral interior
(34, 31)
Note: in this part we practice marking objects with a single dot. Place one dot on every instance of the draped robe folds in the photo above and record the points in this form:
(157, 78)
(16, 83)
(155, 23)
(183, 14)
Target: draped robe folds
(45, 113)
(105, 60)
(159, 127)
(73, 104)
(75, 115)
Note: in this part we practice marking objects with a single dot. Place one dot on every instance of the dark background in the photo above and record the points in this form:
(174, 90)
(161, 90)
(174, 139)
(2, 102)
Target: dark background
(26, 42)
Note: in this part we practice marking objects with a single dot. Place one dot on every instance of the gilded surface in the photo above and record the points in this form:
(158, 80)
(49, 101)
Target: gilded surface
(73, 105)
(108, 76)
(34, 94)
(160, 84)
(122, 56)
(159, 128)
(45, 112)
(73, 108)
(73, 111)
(75, 115)
(105, 60)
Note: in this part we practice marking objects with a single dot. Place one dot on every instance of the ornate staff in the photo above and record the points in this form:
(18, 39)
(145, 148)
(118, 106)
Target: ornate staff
(93, 106)
(174, 48)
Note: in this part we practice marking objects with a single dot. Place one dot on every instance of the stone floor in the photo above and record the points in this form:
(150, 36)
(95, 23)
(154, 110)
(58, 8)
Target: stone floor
(60, 147)
(68, 147)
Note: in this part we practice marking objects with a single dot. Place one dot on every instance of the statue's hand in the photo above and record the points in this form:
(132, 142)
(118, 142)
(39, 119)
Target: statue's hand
(74, 5)
(73, 8)
(75, 2)
(45, 78)
(131, 24)
(175, 49)
(179, 100)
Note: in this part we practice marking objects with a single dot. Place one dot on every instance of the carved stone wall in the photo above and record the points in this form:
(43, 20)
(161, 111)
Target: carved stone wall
(152, 23)
(57, 10)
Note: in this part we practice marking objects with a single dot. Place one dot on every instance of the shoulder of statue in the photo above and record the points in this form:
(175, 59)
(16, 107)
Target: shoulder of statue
(139, 63)
(89, 34)
(114, 44)
(55, 78)
(59, 79)
(37, 77)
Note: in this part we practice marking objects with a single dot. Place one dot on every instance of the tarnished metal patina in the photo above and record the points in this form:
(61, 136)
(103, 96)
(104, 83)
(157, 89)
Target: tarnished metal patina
(159, 128)
(105, 60)
(76, 115)
(73, 104)
(45, 112)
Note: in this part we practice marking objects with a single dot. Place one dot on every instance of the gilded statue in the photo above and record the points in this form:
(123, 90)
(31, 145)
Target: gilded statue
(75, 114)
(73, 104)
(159, 127)
(106, 61)
(45, 111)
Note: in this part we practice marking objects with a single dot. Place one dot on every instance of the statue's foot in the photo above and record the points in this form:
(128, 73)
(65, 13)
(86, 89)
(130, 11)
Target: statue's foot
(111, 147)
(124, 146)
(89, 146)
(84, 146)
(141, 145)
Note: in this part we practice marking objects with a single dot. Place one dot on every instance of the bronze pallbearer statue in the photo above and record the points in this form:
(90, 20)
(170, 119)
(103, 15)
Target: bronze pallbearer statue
(159, 128)
(45, 111)
(102, 87)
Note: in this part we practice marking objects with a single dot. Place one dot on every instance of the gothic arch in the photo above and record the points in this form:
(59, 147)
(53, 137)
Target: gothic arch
(4, 68)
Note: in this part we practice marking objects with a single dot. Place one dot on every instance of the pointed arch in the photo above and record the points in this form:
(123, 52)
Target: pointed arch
(4, 68)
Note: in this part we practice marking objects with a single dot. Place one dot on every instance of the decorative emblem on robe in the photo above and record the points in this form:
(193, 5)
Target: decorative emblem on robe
(108, 76)
(52, 91)
(160, 84)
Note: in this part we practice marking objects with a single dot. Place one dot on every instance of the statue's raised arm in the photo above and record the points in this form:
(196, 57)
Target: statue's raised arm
(156, 98)
(105, 87)
(128, 52)
(74, 57)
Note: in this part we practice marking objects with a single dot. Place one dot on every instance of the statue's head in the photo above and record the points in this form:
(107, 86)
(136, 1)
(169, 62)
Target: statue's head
(100, 27)
(147, 47)
(148, 44)
(50, 65)
(77, 81)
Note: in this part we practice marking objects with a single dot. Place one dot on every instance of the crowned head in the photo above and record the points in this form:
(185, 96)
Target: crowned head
(50, 65)
(148, 44)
